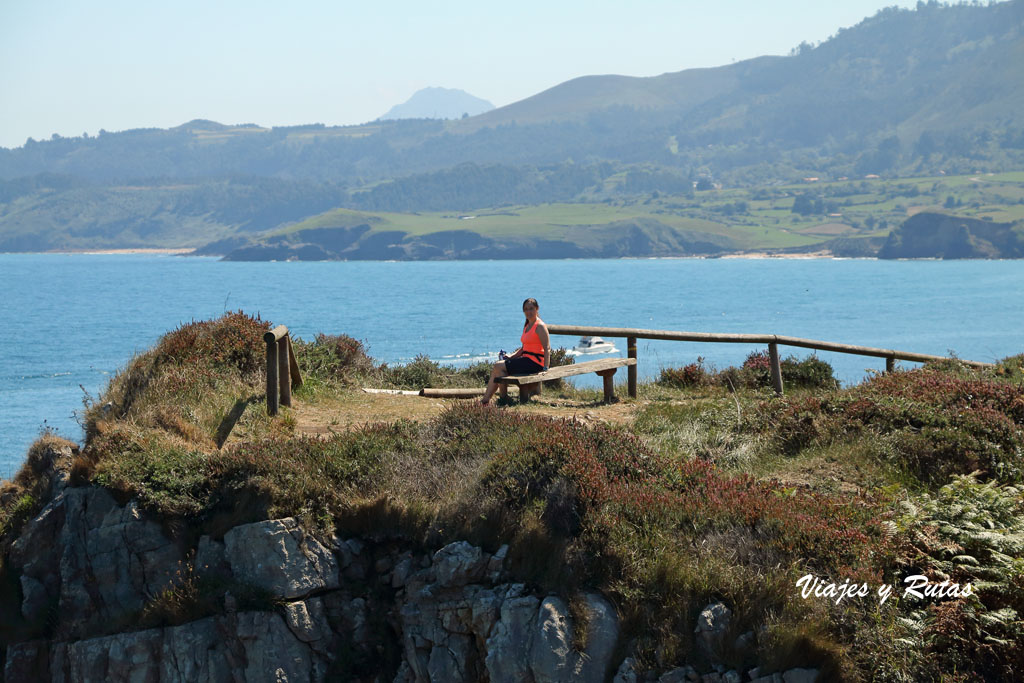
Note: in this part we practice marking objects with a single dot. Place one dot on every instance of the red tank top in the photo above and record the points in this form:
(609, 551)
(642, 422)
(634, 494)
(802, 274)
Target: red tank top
(532, 348)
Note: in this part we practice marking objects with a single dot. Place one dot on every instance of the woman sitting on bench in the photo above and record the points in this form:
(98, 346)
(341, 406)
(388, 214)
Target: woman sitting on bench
(532, 357)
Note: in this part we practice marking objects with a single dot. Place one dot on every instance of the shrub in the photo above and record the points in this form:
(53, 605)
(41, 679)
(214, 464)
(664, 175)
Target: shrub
(295, 476)
(615, 479)
(419, 373)
(334, 357)
(233, 341)
(757, 362)
(1009, 369)
(477, 374)
(692, 375)
(946, 424)
(810, 373)
(936, 423)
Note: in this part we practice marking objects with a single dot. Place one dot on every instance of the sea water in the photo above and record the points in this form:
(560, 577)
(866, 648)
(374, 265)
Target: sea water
(72, 320)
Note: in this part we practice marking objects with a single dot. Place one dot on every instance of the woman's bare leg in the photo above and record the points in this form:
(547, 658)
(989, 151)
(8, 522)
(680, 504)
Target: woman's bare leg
(498, 371)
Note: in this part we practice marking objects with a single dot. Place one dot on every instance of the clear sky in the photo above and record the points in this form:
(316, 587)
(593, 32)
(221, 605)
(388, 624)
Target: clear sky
(76, 66)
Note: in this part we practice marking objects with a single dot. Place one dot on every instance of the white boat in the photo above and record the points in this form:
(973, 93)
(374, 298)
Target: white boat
(589, 345)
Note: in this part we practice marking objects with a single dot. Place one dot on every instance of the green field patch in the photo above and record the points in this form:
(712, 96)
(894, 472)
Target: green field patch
(827, 229)
(1011, 177)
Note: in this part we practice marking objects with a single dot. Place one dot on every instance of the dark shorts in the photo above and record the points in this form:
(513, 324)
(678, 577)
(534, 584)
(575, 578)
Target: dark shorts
(522, 366)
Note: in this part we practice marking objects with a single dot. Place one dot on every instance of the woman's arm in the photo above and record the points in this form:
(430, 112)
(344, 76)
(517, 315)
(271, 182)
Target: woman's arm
(545, 340)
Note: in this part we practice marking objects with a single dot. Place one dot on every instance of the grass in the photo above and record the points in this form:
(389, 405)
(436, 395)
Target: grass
(710, 488)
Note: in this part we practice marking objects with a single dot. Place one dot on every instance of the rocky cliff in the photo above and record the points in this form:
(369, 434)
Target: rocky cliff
(634, 238)
(106, 593)
(939, 235)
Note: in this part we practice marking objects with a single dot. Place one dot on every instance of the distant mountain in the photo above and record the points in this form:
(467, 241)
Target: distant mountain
(937, 68)
(438, 103)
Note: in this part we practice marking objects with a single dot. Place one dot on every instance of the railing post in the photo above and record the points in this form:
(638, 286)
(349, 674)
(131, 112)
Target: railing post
(296, 376)
(631, 371)
(283, 366)
(272, 370)
(773, 355)
(890, 364)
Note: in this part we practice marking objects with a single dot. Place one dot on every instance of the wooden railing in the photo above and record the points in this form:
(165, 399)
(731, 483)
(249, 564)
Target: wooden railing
(282, 368)
(772, 340)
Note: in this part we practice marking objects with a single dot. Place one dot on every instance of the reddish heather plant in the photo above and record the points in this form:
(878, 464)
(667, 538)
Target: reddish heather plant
(235, 340)
(692, 375)
(941, 424)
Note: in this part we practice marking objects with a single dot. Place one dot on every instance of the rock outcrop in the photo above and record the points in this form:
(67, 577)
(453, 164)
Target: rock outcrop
(283, 605)
(938, 235)
(277, 556)
(94, 560)
(455, 628)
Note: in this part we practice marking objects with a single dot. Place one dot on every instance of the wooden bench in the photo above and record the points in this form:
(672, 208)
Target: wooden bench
(530, 384)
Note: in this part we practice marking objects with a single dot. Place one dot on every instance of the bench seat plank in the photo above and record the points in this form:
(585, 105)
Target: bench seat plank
(568, 370)
(605, 368)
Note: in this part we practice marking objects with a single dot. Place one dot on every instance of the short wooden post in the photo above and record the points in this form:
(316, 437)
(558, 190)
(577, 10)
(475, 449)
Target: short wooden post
(609, 384)
(631, 371)
(277, 366)
(890, 364)
(272, 369)
(773, 355)
(283, 371)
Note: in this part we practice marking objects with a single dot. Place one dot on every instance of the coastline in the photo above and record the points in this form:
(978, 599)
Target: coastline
(184, 251)
(824, 254)
(106, 252)
(750, 255)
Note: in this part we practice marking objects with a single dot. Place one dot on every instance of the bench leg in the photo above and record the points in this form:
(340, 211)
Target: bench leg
(527, 390)
(503, 390)
(609, 384)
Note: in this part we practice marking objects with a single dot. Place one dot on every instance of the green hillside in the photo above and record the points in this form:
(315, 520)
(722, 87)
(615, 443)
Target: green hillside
(221, 217)
(847, 218)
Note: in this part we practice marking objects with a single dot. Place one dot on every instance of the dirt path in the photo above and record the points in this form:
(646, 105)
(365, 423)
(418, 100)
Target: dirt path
(357, 408)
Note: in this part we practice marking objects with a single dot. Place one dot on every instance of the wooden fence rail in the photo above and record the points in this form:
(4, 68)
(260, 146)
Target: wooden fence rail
(282, 368)
(772, 340)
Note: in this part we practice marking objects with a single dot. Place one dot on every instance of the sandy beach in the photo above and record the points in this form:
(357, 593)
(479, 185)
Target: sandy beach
(764, 254)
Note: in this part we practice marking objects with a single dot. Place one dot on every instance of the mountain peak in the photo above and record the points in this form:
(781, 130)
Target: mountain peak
(438, 103)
